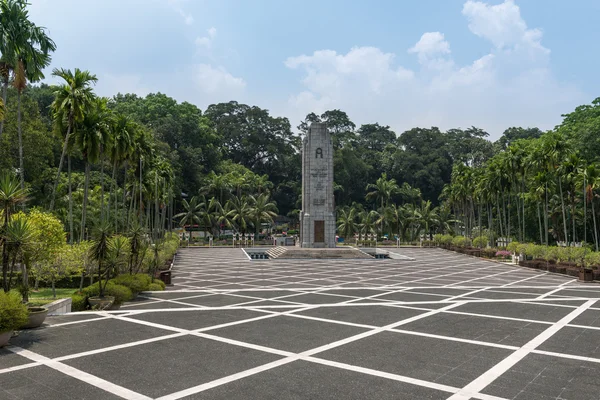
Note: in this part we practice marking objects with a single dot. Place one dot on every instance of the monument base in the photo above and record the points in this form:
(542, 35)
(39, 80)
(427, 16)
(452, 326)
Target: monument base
(294, 253)
(318, 231)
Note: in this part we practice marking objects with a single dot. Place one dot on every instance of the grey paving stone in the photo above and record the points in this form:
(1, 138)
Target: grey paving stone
(85, 336)
(367, 315)
(517, 310)
(410, 297)
(152, 304)
(435, 360)
(588, 318)
(158, 369)
(217, 300)
(493, 330)
(196, 319)
(576, 341)
(44, 383)
(544, 377)
(317, 299)
(302, 380)
(288, 333)
(9, 359)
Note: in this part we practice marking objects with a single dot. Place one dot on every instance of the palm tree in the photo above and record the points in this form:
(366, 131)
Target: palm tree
(120, 148)
(368, 221)
(428, 217)
(347, 222)
(217, 185)
(90, 136)
(240, 212)
(69, 105)
(192, 213)
(592, 183)
(25, 49)
(382, 190)
(11, 196)
(263, 210)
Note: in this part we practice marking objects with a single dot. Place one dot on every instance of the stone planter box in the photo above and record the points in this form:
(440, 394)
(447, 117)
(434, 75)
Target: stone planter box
(586, 274)
(60, 306)
(573, 271)
(561, 269)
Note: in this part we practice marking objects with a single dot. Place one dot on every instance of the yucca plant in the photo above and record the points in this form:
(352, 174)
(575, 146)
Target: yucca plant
(100, 252)
(11, 196)
(18, 235)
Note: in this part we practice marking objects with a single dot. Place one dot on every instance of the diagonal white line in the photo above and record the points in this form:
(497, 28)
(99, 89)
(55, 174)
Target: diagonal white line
(476, 386)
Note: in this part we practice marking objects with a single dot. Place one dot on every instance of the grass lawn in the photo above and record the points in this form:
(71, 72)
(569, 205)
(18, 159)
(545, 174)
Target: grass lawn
(44, 296)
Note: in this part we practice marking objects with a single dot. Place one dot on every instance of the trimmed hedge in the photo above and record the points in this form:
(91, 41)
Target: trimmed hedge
(78, 302)
(13, 313)
(136, 283)
(155, 287)
(119, 292)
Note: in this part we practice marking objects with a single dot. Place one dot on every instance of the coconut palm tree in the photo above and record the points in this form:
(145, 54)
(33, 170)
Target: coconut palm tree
(240, 213)
(263, 210)
(25, 49)
(382, 190)
(428, 217)
(71, 101)
(347, 225)
(11, 196)
(192, 213)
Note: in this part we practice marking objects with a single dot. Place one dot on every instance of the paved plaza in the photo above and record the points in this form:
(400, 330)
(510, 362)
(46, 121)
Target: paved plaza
(440, 326)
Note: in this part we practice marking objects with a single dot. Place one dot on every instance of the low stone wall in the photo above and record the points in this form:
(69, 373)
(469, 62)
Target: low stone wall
(60, 306)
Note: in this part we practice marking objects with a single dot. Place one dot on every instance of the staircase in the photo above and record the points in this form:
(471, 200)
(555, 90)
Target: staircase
(345, 253)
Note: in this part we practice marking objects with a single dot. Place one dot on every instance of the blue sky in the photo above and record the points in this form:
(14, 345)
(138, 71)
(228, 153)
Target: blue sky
(445, 63)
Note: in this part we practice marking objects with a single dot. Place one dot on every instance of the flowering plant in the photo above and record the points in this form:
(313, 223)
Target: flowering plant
(503, 253)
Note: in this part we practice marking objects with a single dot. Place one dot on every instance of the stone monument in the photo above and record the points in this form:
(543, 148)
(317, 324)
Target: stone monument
(317, 219)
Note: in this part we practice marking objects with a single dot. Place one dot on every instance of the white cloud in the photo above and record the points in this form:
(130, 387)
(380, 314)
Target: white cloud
(187, 17)
(206, 41)
(431, 45)
(503, 25)
(217, 80)
(512, 85)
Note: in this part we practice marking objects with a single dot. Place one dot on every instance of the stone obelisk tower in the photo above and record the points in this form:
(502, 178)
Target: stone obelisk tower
(317, 218)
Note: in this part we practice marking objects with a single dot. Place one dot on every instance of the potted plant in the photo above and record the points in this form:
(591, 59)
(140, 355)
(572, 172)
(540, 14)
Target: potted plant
(13, 314)
(100, 252)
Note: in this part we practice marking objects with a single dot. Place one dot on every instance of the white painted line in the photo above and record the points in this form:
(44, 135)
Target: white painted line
(476, 386)
(81, 375)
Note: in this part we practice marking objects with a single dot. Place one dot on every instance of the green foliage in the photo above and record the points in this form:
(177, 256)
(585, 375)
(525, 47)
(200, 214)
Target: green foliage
(78, 302)
(136, 283)
(513, 246)
(446, 239)
(155, 287)
(461, 241)
(480, 241)
(119, 292)
(13, 313)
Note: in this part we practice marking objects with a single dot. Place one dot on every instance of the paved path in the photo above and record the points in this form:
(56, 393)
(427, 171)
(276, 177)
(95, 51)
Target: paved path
(444, 326)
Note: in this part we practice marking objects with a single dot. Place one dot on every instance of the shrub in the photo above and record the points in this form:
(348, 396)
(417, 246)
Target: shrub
(136, 283)
(446, 239)
(592, 258)
(512, 247)
(480, 241)
(13, 313)
(461, 241)
(78, 302)
(119, 292)
(161, 283)
(155, 287)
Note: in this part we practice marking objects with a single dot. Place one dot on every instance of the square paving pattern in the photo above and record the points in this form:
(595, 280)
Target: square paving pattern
(437, 325)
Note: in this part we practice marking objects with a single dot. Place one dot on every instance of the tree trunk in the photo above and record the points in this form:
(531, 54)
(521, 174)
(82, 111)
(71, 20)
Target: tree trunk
(540, 222)
(71, 233)
(85, 200)
(562, 206)
(81, 281)
(110, 192)
(25, 282)
(546, 214)
(60, 165)
(4, 93)
(125, 196)
(53, 289)
(102, 188)
(595, 229)
(21, 168)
